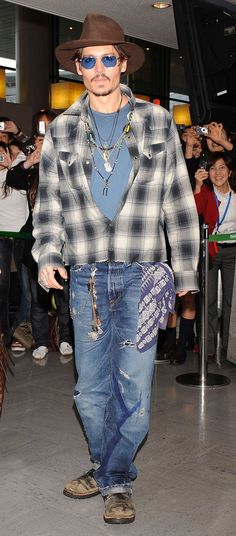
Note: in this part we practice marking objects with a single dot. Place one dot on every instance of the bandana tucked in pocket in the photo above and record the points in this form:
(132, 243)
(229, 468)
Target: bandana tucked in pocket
(156, 302)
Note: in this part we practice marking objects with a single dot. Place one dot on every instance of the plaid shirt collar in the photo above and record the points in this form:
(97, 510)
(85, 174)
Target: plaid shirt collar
(80, 107)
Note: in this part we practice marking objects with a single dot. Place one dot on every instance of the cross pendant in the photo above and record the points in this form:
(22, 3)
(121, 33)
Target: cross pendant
(105, 189)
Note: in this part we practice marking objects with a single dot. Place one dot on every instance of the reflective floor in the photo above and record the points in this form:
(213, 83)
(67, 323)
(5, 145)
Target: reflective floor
(187, 467)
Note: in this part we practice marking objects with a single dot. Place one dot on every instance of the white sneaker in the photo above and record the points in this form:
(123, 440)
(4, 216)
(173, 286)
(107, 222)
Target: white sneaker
(40, 352)
(65, 348)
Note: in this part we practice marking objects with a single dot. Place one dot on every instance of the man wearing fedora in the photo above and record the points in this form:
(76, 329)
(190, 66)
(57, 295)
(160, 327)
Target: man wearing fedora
(112, 174)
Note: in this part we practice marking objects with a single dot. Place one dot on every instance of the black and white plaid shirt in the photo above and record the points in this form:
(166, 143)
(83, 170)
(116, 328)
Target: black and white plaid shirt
(68, 226)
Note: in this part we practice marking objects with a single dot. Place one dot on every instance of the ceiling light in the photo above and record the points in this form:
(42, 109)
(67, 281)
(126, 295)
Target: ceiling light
(161, 5)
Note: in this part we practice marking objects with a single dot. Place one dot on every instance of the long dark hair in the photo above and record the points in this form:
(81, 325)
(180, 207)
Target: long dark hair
(5, 189)
(213, 158)
(34, 183)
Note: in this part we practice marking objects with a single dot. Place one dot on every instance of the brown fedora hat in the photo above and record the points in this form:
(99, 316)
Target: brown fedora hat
(100, 30)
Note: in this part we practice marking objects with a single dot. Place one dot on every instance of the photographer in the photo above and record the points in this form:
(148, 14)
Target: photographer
(9, 131)
(218, 139)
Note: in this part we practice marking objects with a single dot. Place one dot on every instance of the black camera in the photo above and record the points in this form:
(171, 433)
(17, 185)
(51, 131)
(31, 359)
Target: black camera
(203, 164)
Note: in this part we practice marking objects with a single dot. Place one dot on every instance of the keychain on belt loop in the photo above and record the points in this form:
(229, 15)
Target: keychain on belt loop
(96, 321)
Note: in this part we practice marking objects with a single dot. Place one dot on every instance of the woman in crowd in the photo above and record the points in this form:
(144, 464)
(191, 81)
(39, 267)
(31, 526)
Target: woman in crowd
(216, 202)
(13, 214)
(177, 353)
(10, 131)
(26, 177)
(198, 146)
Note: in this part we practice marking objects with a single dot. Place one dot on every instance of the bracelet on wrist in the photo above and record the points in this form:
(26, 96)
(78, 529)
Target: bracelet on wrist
(18, 131)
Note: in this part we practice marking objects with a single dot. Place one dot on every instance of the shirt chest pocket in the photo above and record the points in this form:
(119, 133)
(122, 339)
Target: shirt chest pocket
(154, 150)
(153, 161)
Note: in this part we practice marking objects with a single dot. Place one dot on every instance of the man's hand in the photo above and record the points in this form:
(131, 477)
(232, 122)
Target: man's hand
(47, 277)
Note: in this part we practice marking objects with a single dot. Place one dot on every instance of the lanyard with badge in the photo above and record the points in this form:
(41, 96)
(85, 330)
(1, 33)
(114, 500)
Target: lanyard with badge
(220, 221)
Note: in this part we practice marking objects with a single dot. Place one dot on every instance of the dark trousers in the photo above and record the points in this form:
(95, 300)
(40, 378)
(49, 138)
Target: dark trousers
(225, 262)
(24, 311)
(6, 249)
(41, 304)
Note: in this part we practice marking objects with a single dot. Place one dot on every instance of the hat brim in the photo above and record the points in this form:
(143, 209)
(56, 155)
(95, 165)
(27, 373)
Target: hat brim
(65, 52)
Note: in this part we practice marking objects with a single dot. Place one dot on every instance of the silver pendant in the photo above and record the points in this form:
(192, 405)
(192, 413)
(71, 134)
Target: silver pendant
(107, 166)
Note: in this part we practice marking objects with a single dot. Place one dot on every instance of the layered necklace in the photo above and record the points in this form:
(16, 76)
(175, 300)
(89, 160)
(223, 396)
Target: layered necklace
(104, 148)
(105, 145)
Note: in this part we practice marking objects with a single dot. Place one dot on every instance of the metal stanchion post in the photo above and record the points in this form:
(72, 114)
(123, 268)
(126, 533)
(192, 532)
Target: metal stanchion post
(202, 378)
(204, 306)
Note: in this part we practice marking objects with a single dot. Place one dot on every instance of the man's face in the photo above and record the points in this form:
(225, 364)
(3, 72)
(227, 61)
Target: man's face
(101, 80)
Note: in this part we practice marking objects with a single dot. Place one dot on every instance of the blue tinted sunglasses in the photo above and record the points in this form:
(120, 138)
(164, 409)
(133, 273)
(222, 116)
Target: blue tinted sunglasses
(88, 62)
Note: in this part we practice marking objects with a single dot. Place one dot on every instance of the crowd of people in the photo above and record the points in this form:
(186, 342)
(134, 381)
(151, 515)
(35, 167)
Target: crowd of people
(210, 155)
(31, 328)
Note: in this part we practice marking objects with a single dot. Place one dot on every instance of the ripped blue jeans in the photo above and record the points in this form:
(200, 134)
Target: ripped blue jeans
(113, 390)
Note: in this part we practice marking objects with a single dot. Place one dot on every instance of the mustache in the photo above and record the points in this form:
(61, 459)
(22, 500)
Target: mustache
(99, 76)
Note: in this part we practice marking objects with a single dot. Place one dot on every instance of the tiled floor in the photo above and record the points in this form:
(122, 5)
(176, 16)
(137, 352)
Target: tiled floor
(187, 467)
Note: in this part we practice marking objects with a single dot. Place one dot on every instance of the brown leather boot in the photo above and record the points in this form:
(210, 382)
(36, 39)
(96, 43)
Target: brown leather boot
(119, 508)
(83, 487)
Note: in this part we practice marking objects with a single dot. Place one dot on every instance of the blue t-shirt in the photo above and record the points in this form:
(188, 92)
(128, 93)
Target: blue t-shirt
(110, 203)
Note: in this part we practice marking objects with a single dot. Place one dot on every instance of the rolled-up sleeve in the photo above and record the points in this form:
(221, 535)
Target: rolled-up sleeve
(48, 221)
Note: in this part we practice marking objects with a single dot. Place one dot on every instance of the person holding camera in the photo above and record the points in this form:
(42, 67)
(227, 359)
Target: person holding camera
(10, 131)
(192, 143)
(215, 196)
(218, 139)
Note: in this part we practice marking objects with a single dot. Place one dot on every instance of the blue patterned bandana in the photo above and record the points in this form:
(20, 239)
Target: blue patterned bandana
(156, 302)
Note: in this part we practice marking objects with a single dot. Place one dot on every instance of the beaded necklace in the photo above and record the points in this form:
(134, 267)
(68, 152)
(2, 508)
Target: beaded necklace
(117, 145)
(105, 144)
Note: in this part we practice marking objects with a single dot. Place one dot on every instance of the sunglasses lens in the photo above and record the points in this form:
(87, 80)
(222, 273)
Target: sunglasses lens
(109, 61)
(88, 62)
